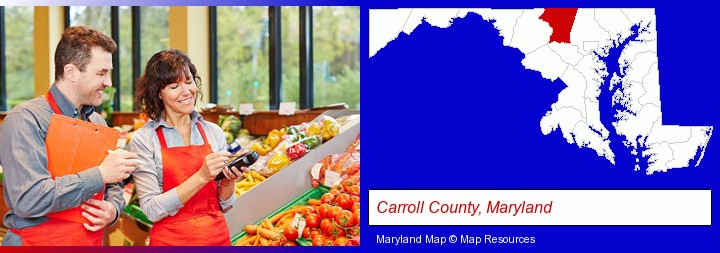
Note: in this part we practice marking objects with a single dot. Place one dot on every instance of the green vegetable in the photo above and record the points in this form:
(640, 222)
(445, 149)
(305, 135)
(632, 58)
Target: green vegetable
(311, 142)
(230, 124)
(292, 130)
(229, 137)
(298, 136)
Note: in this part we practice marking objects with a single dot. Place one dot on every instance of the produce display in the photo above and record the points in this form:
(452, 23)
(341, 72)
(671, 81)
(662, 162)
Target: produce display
(333, 219)
(283, 146)
(231, 126)
(334, 169)
(327, 215)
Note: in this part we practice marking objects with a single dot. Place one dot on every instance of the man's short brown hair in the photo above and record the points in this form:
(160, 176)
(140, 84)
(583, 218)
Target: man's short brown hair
(76, 47)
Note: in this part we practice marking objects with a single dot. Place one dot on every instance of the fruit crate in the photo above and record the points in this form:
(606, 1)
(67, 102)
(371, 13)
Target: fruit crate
(315, 193)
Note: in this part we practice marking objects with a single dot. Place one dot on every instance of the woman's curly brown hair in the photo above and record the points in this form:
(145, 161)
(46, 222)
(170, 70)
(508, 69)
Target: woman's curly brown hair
(164, 68)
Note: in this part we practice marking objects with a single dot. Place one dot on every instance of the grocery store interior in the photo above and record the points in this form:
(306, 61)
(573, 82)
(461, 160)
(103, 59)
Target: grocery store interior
(282, 81)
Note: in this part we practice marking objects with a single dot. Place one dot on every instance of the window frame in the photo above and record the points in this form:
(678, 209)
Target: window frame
(275, 55)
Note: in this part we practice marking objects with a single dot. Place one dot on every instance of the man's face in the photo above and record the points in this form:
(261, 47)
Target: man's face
(95, 78)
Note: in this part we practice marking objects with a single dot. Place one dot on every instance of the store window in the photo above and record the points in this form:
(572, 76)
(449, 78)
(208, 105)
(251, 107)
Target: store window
(336, 55)
(154, 32)
(242, 60)
(19, 55)
(290, 36)
(95, 17)
(125, 52)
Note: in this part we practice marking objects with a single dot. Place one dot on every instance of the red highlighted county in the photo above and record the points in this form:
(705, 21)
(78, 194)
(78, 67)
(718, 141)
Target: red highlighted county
(561, 20)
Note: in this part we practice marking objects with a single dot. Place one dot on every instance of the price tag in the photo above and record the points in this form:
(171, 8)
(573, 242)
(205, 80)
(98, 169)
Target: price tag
(287, 108)
(315, 171)
(299, 223)
(332, 178)
(246, 109)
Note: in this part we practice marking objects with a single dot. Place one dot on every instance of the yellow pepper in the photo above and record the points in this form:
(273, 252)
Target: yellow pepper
(274, 137)
(313, 129)
(327, 120)
(278, 161)
(277, 132)
(272, 140)
(330, 130)
(261, 149)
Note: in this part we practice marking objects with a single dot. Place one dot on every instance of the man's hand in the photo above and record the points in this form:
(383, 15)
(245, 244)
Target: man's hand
(99, 216)
(118, 165)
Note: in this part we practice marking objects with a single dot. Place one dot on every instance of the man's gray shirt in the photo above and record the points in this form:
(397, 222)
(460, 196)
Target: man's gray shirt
(29, 190)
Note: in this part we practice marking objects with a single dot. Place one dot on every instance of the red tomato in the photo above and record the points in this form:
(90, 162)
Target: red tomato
(308, 210)
(356, 217)
(290, 243)
(345, 219)
(343, 200)
(312, 221)
(306, 233)
(355, 199)
(335, 191)
(336, 232)
(341, 241)
(346, 184)
(355, 207)
(315, 232)
(354, 190)
(333, 211)
(318, 240)
(291, 233)
(328, 242)
(323, 210)
(326, 226)
(327, 198)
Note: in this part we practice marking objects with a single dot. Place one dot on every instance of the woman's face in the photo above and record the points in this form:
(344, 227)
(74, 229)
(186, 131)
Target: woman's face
(179, 97)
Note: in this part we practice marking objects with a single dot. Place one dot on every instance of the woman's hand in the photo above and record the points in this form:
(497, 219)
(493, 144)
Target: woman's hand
(214, 164)
(232, 174)
(227, 185)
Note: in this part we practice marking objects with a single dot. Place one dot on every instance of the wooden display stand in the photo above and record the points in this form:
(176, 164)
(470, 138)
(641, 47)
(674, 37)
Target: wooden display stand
(259, 123)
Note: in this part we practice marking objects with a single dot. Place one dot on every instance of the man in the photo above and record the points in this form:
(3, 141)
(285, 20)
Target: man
(37, 197)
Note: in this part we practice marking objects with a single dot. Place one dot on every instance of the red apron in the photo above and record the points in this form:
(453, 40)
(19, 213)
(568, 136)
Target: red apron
(68, 152)
(200, 221)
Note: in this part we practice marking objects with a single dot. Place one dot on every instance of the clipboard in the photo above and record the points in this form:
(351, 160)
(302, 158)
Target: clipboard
(73, 146)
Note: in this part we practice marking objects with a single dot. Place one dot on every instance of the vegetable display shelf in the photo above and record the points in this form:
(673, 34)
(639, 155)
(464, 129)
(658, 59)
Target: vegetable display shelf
(314, 193)
(285, 185)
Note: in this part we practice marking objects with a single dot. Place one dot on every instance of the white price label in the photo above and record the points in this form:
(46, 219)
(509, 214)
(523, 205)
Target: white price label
(332, 178)
(287, 108)
(299, 223)
(246, 109)
(315, 171)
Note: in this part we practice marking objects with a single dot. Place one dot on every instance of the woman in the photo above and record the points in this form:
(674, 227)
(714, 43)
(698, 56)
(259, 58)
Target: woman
(181, 154)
